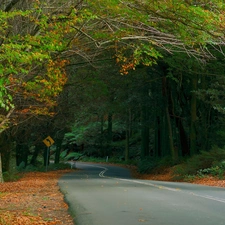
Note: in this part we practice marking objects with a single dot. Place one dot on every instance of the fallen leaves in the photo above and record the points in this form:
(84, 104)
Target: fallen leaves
(167, 175)
(34, 200)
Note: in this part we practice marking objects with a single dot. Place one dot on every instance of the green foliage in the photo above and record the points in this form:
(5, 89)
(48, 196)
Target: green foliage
(217, 170)
(93, 159)
(11, 176)
(63, 154)
(83, 133)
(73, 155)
(13, 173)
(59, 166)
(41, 168)
(204, 163)
(155, 165)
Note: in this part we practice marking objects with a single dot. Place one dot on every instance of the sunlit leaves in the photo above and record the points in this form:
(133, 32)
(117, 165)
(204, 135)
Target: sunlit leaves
(174, 25)
(29, 43)
(5, 98)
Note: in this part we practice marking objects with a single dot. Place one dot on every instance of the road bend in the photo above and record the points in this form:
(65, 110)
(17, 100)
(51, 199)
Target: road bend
(107, 195)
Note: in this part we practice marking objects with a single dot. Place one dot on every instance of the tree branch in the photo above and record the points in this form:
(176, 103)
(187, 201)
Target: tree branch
(10, 5)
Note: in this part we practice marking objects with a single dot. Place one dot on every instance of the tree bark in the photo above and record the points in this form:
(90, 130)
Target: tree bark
(57, 151)
(1, 175)
(173, 153)
(22, 151)
(35, 154)
(127, 136)
(193, 134)
(144, 132)
(109, 134)
(5, 145)
(10, 5)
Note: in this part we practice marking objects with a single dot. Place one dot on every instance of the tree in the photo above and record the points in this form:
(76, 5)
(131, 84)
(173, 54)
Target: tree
(41, 41)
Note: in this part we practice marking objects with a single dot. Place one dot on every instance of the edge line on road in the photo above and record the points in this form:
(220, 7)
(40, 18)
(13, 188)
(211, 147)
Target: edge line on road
(221, 200)
(101, 174)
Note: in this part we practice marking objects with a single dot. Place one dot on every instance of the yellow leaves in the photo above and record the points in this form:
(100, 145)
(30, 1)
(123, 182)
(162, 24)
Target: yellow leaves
(42, 90)
(125, 63)
(126, 67)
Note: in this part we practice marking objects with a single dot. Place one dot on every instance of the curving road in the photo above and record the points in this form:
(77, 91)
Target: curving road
(107, 195)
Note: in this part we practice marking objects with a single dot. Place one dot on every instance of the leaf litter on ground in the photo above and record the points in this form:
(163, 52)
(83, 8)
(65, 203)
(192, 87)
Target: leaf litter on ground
(35, 199)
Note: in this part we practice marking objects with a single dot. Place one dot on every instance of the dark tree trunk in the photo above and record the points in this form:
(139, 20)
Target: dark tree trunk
(46, 156)
(193, 134)
(173, 152)
(185, 151)
(5, 150)
(37, 149)
(127, 135)
(58, 149)
(144, 131)
(22, 151)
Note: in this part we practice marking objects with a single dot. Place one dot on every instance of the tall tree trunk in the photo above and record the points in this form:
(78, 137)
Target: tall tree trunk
(183, 138)
(144, 132)
(102, 151)
(193, 134)
(5, 145)
(127, 135)
(109, 134)
(157, 137)
(205, 119)
(22, 151)
(1, 175)
(173, 152)
(46, 156)
(57, 151)
(35, 154)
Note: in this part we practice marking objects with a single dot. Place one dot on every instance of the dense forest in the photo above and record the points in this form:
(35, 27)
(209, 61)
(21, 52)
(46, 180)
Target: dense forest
(133, 80)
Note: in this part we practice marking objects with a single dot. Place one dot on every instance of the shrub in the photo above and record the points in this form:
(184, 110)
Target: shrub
(10, 176)
(155, 164)
(204, 163)
(147, 165)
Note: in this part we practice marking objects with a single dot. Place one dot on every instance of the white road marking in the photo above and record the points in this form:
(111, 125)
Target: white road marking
(175, 189)
(101, 174)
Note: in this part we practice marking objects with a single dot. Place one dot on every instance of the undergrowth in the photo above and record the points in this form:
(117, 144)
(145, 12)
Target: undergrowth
(204, 164)
(155, 165)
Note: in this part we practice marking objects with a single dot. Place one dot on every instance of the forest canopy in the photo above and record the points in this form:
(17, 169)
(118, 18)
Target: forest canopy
(63, 67)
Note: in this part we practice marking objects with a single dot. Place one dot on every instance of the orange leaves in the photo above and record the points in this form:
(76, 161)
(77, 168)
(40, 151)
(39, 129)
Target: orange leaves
(126, 67)
(41, 90)
(33, 200)
(20, 219)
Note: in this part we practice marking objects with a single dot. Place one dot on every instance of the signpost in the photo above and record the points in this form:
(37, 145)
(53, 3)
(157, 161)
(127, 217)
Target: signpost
(48, 141)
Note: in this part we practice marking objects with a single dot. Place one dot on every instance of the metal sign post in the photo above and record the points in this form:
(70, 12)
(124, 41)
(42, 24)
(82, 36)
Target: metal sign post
(48, 141)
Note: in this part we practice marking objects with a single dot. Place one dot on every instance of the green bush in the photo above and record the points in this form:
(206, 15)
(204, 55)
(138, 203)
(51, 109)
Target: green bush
(59, 166)
(216, 170)
(73, 155)
(148, 164)
(202, 164)
(155, 165)
(10, 176)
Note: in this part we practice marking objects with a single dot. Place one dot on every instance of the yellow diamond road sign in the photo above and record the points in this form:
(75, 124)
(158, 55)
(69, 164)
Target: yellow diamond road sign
(48, 141)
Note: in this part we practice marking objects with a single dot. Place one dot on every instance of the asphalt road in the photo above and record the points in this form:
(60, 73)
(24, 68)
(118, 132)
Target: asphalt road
(107, 195)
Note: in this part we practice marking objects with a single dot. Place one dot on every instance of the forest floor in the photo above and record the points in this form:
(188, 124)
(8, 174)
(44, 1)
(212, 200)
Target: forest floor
(35, 199)
(167, 175)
